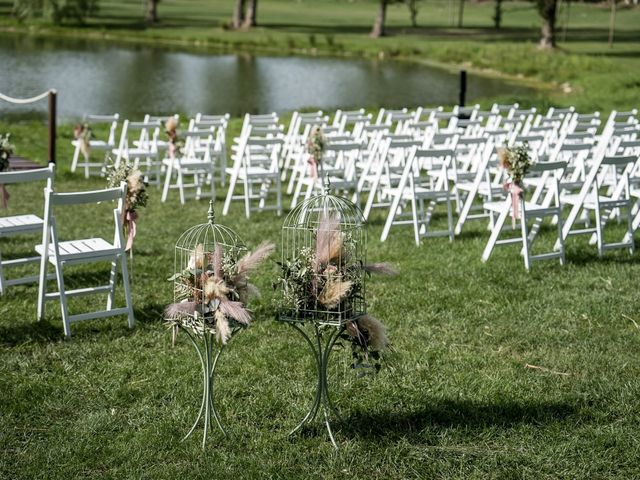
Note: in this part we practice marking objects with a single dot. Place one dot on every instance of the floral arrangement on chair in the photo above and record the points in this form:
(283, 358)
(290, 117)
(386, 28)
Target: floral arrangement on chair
(136, 198)
(316, 144)
(327, 280)
(175, 144)
(83, 133)
(214, 289)
(6, 150)
(516, 161)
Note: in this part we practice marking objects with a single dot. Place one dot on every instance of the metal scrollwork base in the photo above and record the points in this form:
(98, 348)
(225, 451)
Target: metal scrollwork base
(321, 351)
(208, 354)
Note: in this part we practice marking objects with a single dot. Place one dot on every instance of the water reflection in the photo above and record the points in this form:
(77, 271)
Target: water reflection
(101, 78)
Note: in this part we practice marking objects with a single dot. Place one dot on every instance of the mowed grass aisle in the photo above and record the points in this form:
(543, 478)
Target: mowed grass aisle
(454, 399)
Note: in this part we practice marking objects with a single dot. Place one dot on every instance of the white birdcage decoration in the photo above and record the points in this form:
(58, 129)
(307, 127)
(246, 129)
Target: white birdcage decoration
(211, 289)
(324, 244)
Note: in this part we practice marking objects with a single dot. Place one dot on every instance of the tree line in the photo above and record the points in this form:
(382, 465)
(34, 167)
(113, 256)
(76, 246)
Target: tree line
(245, 13)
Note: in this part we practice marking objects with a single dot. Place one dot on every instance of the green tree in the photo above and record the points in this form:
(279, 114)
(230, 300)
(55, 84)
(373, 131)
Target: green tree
(497, 15)
(238, 14)
(251, 14)
(151, 17)
(55, 11)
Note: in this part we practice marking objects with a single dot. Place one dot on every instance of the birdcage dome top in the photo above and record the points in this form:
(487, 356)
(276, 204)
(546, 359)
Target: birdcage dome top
(310, 213)
(210, 234)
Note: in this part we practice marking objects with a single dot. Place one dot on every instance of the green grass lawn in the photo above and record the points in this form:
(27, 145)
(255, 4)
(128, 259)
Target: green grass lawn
(585, 72)
(455, 398)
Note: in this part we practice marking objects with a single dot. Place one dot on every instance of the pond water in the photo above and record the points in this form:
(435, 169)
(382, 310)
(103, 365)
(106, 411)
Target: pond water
(96, 77)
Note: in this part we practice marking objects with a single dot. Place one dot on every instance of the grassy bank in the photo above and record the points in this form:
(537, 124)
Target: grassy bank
(460, 397)
(585, 72)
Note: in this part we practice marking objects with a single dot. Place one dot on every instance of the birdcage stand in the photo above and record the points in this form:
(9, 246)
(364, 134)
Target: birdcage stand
(208, 354)
(321, 350)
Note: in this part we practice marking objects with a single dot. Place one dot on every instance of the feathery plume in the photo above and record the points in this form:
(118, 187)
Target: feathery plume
(235, 310)
(251, 260)
(328, 240)
(217, 261)
(223, 331)
(177, 310)
(333, 292)
(382, 268)
(375, 331)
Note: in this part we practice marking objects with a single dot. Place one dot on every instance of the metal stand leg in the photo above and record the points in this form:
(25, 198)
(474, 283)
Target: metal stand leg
(208, 361)
(321, 352)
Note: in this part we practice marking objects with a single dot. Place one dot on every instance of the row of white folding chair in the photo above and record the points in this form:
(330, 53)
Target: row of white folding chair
(217, 124)
(139, 146)
(62, 253)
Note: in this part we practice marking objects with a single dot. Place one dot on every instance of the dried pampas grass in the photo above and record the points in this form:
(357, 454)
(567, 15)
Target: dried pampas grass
(223, 331)
(235, 310)
(251, 260)
(178, 310)
(328, 240)
(196, 260)
(381, 268)
(215, 288)
(375, 331)
(333, 292)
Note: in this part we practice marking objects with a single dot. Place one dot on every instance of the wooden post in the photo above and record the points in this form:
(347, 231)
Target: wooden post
(52, 125)
(463, 87)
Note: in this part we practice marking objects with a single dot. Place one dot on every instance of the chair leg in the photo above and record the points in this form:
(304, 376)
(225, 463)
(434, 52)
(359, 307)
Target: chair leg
(127, 289)
(599, 231)
(76, 155)
(560, 241)
(42, 286)
(167, 182)
(247, 193)
(449, 216)
(181, 185)
(2, 287)
(525, 243)
(63, 300)
(227, 201)
(113, 278)
(629, 235)
(495, 233)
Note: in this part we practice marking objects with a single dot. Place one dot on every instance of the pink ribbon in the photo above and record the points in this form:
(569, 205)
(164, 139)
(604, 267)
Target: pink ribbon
(131, 218)
(5, 196)
(515, 191)
(314, 166)
(172, 150)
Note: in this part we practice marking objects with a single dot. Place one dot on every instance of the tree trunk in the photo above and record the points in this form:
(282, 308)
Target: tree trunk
(250, 18)
(461, 14)
(497, 15)
(238, 14)
(413, 12)
(547, 10)
(378, 26)
(152, 12)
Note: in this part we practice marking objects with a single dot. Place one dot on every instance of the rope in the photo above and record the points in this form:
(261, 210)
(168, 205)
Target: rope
(23, 101)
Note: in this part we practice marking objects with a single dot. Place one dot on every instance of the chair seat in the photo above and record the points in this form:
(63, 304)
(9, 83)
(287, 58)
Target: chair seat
(95, 144)
(258, 172)
(18, 224)
(89, 248)
(532, 208)
(589, 201)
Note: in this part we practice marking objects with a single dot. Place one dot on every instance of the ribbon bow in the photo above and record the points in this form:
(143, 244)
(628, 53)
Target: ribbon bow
(314, 166)
(131, 218)
(515, 190)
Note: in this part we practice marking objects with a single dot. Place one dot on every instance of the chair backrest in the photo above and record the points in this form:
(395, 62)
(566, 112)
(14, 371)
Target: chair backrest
(24, 176)
(92, 119)
(53, 199)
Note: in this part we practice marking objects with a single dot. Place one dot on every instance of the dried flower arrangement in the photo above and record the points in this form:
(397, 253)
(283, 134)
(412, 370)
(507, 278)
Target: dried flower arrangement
(316, 144)
(325, 284)
(516, 161)
(83, 133)
(136, 198)
(212, 292)
(175, 144)
(6, 150)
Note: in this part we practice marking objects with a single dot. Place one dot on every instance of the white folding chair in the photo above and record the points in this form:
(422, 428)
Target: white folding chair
(25, 224)
(548, 187)
(62, 253)
(104, 146)
(256, 168)
(143, 152)
(415, 187)
(195, 162)
(219, 147)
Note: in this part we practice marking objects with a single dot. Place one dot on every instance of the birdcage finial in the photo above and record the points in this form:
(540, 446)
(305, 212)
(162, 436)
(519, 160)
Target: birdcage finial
(211, 214)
